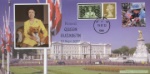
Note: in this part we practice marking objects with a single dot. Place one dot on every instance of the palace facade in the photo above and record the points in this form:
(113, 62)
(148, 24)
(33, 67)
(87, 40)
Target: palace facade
(81, 50)
(65, 51)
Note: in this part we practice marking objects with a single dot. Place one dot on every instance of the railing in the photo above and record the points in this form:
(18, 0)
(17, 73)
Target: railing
(75, 62)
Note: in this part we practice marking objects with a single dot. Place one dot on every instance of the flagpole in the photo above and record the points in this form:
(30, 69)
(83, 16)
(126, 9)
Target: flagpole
(9, 3)
(3, 66)
(3, 60)
(8, 53)
(2, 49)
(6, 19)
(8, 61)
(45, 61)
(6, 23)
(38, 1)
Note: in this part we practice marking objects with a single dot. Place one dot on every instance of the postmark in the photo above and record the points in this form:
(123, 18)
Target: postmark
(101, 25)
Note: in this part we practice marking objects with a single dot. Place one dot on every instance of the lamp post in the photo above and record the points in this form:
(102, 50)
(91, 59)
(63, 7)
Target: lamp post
(62, 52)
(90, 54)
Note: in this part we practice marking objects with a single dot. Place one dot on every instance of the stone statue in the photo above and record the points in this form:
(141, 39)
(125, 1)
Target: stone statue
(141, 53)
(140, 34)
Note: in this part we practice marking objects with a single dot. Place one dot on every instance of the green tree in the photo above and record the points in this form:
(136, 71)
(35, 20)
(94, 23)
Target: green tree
(116, 51)
(126, 51)
(148, 47)
(132, 50)
(123, 50)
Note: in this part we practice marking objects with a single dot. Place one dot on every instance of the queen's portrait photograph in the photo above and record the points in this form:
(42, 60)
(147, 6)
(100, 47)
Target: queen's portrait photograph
(31, 26)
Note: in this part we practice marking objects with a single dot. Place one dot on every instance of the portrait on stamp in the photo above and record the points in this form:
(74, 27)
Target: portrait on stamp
(109, 10)
(89, 11)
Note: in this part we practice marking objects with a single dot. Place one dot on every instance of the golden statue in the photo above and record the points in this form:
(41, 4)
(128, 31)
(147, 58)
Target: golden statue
(140, 34)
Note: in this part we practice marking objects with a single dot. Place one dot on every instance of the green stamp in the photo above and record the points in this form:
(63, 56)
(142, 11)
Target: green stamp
(89, 11)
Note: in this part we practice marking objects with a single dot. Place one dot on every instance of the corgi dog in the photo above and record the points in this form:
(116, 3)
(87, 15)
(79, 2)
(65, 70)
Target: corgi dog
(20, 36)
(38, 34)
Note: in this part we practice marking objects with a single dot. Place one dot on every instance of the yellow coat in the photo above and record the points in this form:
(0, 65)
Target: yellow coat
(27, 25)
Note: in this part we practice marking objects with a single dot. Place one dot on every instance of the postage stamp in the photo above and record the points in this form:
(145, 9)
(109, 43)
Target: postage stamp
(133, 14)
(109, 10)
(89, 11)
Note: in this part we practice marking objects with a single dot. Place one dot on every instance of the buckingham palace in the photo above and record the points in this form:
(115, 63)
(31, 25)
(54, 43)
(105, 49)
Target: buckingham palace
(81, 50)
(65, 51)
